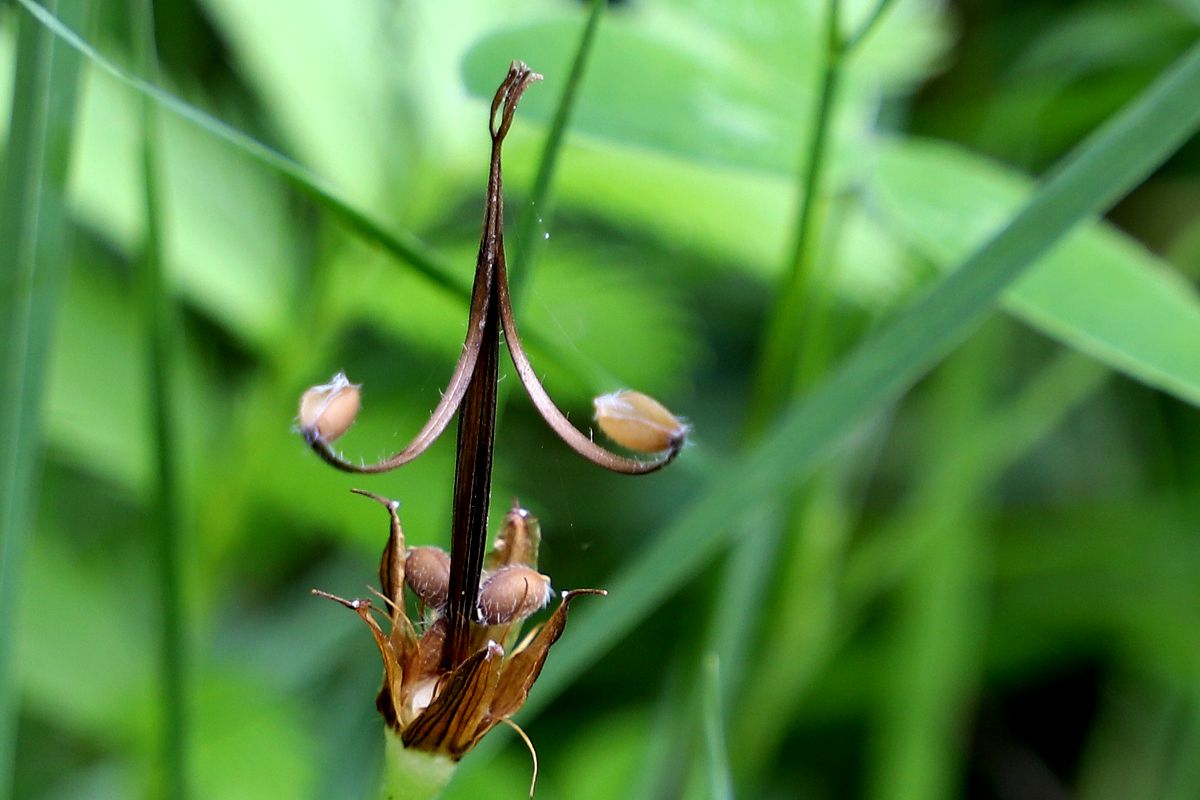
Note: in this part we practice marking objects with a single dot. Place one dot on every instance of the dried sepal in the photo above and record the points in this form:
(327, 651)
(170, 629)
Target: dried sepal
(451, 723)
(328, 410)
(449, 711)
(389, 700)
(391, 562)
(639, 422)
(422, 665)
(523, 667)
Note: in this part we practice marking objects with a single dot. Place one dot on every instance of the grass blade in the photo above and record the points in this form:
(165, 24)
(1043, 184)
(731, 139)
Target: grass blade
(1098, 292)
(720, 780)
(31, 226)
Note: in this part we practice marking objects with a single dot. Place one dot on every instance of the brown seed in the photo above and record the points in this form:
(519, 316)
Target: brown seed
(639, 422)
(427, 573)
(328, 410)
(512, 594)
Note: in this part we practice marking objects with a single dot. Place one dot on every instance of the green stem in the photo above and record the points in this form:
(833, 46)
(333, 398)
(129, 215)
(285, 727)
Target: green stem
(852, 41)
(744, 579)
(412, 774)
(32, 268)
(795, 330)
(777, 361)
(159, 318)
(747, 574)
(720, 782)
(539, 198)
(932, 673)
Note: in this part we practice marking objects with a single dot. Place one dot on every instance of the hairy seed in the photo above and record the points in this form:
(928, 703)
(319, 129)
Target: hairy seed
(512, 594)
(427, 573)
(328, 410)
(639, 422)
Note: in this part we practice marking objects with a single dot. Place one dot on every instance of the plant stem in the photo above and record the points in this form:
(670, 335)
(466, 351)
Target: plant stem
(32, 227)
(938, 609)
(159, 317)
(539, 197)
(776, 368)
(412, 774)
(720, 782)
(746, 577)
(794, 330)
(877, 565)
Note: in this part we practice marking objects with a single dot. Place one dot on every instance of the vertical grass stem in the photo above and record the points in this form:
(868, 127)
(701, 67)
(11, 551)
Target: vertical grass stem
(159, 317)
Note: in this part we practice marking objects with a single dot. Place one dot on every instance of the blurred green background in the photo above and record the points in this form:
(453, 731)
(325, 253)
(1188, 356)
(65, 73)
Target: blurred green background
(991, 589)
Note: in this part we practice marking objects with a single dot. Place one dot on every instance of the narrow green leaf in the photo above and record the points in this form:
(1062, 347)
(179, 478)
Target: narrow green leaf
(1097, 291)
(32, 228)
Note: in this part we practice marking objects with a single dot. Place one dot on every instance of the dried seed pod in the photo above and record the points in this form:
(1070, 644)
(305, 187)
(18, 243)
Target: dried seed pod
(328, 410)
(427, 573)
(512, 594)
(639, 422)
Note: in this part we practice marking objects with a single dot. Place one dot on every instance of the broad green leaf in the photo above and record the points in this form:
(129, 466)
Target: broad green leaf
(323, 69)
(251, 739)
(226, 233)
(97, 345)
(401, 244)
(369, 94)
(85, 661)
(733, 90)
(1097, 291)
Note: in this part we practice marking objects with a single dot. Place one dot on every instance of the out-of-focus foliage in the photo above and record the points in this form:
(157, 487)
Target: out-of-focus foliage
(1013, 589)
